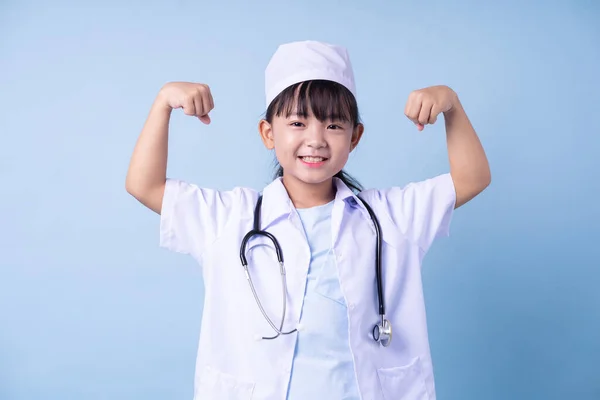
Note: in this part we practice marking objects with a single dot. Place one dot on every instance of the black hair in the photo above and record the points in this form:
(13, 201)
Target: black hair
(325, 100)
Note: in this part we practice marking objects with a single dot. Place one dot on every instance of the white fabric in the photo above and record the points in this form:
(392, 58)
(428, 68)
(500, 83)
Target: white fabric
(231, 363)
(306, 60)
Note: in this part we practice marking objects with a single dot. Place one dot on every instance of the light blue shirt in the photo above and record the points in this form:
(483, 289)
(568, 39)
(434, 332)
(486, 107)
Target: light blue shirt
(323, 366)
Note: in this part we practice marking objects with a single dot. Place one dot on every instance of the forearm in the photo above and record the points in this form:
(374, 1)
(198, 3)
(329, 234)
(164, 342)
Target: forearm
(148, 166)
(469, 166)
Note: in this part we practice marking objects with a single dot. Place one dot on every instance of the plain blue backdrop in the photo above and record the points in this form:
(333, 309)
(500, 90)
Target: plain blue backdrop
(90, 306)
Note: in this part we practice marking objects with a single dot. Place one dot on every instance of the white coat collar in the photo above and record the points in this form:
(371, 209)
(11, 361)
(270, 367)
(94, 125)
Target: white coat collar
(277, 204)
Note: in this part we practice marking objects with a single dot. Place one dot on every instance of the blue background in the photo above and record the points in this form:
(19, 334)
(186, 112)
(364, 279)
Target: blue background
(91, 308)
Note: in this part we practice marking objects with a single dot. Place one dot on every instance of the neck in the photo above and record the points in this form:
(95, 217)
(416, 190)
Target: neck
(306, 195)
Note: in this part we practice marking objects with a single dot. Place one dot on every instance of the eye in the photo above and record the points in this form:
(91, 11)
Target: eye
(297, 124)
(334, 127)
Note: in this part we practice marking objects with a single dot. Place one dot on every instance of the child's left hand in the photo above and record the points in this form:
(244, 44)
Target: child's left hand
(424, 105)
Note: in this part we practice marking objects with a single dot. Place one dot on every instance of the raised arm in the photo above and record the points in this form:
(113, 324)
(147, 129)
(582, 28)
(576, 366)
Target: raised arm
(469, 166)
(468, 163)
(147, 171)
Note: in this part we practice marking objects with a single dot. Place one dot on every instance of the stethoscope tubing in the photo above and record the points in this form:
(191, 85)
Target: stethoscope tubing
(256, 231)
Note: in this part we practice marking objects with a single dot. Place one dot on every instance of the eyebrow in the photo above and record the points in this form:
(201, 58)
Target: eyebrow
(331, 118)
(297, 116)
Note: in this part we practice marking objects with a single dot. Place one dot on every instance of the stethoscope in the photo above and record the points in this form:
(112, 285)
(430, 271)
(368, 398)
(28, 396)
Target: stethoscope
(382, 331)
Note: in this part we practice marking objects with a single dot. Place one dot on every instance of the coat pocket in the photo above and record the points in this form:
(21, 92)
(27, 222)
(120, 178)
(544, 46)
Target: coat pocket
(404, 382)
(216, 385)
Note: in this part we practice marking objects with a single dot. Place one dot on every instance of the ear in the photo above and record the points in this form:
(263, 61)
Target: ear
(266, 134)
(356, 135)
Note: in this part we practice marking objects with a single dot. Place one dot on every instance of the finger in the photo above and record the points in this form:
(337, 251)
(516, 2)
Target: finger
(435, 111)
(413, 108)
(199, 105)
(189, 108)
(205, 119)
(203, 92)
(199, 108)
(424, 114)
(211, 103)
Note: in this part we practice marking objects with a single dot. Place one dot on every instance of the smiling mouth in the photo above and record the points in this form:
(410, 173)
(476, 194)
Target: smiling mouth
(312, 160)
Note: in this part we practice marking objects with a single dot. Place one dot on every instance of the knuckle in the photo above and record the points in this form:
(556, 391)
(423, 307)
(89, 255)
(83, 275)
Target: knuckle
(203, 88)
(188, 104)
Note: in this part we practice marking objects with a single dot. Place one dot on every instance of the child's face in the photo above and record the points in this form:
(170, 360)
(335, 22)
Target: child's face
(310, 150)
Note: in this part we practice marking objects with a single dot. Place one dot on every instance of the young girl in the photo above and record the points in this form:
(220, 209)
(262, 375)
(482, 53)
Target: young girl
(313, 286)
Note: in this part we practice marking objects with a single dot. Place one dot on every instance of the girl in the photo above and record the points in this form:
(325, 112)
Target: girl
(342, 315)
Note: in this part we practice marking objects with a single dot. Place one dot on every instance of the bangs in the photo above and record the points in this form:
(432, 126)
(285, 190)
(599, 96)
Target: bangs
(325, 100)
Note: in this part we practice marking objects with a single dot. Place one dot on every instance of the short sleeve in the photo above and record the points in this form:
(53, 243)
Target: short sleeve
(192, 218)
(422, 210)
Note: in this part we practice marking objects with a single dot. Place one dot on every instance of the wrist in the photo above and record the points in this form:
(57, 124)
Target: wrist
(161, 103)
(455, 104)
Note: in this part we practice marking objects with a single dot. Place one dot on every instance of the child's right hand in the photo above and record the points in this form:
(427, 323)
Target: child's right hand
(193, 98)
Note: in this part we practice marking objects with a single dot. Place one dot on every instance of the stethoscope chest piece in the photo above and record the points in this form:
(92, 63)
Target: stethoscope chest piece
(382, 332)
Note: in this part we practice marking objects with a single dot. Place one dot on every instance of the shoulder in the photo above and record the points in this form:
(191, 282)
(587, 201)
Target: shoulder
(191, 196)
(421, 210)
(441, 184)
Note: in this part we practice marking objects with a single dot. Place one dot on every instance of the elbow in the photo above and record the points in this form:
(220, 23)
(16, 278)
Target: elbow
(487, 176)
(132, 188)
(150, 196)
(470, 187)
(482, 182)
(486, 179)
(474, 183)
(129, 188)
(137, 192)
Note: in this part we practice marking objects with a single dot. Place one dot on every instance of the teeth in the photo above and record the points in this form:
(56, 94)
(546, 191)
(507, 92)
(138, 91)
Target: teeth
(313, 159)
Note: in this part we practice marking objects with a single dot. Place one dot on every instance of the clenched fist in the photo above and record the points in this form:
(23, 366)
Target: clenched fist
(424, 105)
(193, 98)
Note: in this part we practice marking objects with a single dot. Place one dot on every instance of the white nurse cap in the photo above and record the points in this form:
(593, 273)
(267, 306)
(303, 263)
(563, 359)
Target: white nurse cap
(301, 61)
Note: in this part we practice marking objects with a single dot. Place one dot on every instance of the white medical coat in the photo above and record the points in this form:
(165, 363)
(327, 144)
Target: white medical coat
(231, 363)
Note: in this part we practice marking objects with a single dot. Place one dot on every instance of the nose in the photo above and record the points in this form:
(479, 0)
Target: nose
(316, 136)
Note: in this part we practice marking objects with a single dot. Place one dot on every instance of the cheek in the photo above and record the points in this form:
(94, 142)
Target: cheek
(342, 145)
(342, 151)
(281, 155)
(342, 158)
(286, 142)
(285, 147)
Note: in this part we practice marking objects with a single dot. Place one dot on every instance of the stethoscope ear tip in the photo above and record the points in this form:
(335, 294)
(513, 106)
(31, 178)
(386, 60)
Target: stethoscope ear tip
(257, 337)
